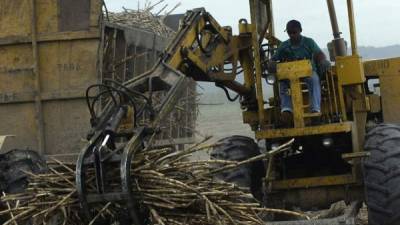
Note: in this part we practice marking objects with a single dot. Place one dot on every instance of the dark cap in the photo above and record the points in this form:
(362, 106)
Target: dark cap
(293, 24)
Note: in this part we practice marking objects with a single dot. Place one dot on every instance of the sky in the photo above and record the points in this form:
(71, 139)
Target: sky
(376, 20)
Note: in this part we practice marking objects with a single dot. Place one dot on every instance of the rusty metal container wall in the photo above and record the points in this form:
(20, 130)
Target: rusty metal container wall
(48, 57)
(51, 54)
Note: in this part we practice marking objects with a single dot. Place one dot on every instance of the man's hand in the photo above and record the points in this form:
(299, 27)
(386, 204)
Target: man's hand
(323, 67)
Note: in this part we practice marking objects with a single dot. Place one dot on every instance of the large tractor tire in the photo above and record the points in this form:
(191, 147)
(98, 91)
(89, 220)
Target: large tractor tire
(382, 175)
(13, 179)
(239, 148)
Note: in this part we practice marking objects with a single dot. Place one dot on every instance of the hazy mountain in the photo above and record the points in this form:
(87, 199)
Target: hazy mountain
(214, 95)
(380, 52)
(368, 52)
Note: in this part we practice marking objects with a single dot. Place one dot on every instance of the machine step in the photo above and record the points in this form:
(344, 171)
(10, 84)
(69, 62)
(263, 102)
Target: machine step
(310, 115)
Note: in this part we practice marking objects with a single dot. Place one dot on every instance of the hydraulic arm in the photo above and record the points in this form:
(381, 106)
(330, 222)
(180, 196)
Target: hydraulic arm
(202, 50)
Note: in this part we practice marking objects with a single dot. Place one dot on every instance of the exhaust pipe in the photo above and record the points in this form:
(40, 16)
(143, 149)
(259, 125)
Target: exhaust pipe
(338, 42)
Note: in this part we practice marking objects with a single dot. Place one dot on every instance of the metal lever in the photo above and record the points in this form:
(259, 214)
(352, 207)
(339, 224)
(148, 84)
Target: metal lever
(98, 165)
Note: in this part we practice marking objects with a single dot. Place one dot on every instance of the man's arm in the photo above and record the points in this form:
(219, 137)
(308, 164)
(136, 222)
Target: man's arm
(274, 59)
(278, 54)
(319, 57)
(318, 54)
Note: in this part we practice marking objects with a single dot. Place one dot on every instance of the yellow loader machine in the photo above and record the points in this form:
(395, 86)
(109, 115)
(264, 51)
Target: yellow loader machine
(351, 153)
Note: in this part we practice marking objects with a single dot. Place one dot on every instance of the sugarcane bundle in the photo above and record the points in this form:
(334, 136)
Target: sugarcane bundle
(169, 189)
(144, 18)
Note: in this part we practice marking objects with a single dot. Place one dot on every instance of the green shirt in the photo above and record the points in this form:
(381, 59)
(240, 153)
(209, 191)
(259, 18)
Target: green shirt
(305, 50)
